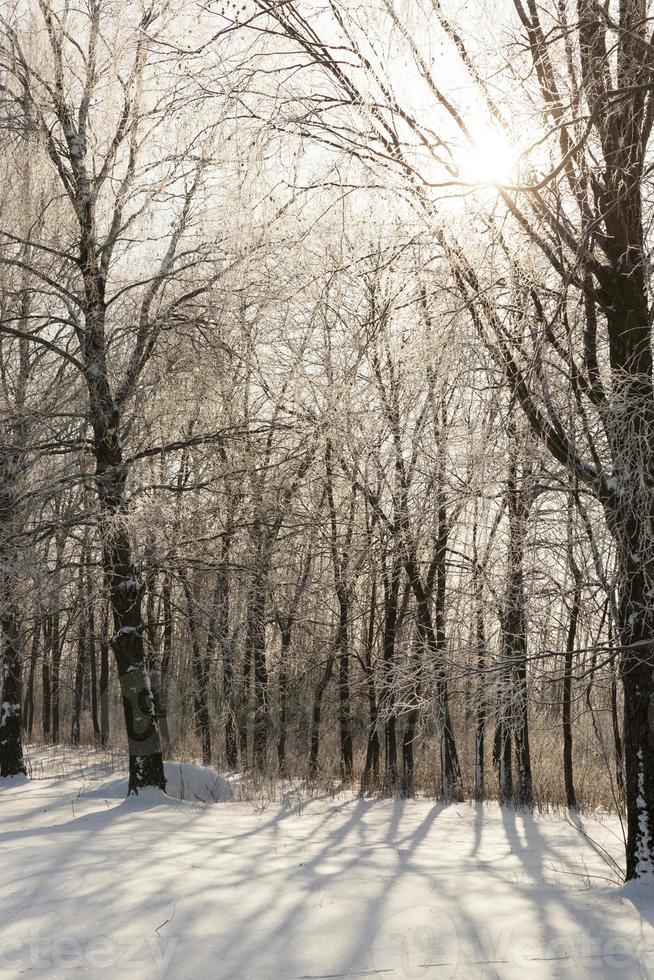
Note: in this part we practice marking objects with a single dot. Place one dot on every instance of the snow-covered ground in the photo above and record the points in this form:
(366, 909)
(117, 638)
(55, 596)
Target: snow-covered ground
(96, 886)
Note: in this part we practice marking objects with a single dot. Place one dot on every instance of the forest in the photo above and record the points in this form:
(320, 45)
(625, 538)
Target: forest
(326, 396)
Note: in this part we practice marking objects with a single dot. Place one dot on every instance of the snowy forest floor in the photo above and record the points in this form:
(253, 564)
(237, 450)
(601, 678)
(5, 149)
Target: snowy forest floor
(98, 886)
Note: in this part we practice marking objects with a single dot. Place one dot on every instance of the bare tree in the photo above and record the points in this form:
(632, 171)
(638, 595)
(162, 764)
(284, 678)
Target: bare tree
(105, 181)
(582, 217)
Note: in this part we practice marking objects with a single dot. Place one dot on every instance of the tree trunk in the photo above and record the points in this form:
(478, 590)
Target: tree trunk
(617, 738)
(344, 719)
(12, 443)
(229, 694)
(244, 706)
(286, 629)
(55, 678)
(80, 662)
(525, 794)
(104, 677)
(93, 672)
(340, 561)
(11, 746)
(28, 711)
(637, 629)
(566, 709)
(218, 636)
(316, 712)
(222, 616)
(78, 685)
(200, 675)
(120, 574)
(371, 766)
(257, 644)
(480, 705)
(388, 693)
(125, 589)
(408, 760)
(514, 624)
(432, 639)
(160, 676)
(502, 744)
(412, 717)
(450, 771)
(46, 693)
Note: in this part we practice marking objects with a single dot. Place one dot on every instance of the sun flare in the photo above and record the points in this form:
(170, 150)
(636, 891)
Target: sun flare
(490, 158)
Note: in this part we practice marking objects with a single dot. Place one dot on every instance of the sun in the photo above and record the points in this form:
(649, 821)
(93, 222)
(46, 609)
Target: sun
(490, 158)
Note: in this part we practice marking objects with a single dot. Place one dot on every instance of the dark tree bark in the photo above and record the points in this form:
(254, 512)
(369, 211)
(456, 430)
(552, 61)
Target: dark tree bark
(93, 669)
(566, 707)
(316, 713)
(125, 589)
(637, 668)
(433, 644)
(502, 742)
(344, 716)
(617, 738)
(55, 675)
(286, 621)
(12, 762)
(229, 689)
(412, 717)
(28, 709)
(451, 788)
(46, 692)
(371, 765)
(200, 674)
(161, 669)
(80, 662)
(387, 695)
(514, 626)
(285, 627)
(104, 677)
(13, 462)
(243, 707)
(219, 638)
(408, 755)
(257, 645)
(341, 562)
(222, 605)
(78, 685)
(480, 699)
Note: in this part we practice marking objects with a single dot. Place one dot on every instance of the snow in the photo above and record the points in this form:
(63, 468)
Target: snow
(124, 631)
(184, 781)
(151, 886)
(130, 583)
(6, 711)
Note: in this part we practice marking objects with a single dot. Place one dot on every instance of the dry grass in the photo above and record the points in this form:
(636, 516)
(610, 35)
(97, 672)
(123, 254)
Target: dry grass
(594, 765)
